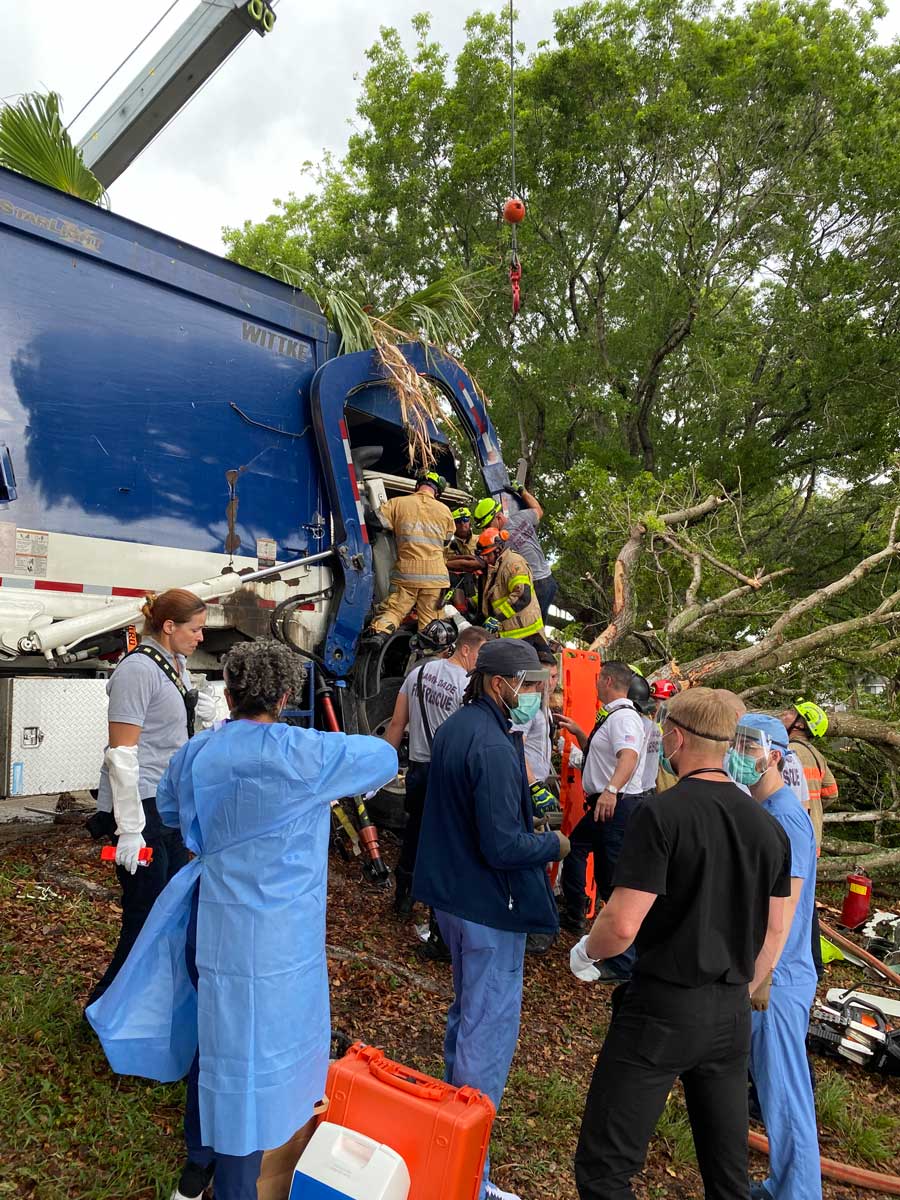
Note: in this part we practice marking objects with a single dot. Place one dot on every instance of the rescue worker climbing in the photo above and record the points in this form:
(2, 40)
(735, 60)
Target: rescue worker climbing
(508, 602)
(422, 527)
(521, 525)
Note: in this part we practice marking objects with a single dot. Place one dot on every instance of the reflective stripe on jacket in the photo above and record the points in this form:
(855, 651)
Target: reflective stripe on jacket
(503, 586)
(822, 786)
(422, 527)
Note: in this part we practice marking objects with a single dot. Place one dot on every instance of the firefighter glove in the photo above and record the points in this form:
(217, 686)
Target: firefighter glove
(492, 625)
(542, 800)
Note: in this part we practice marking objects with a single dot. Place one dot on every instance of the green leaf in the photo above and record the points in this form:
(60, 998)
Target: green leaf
(34, 142)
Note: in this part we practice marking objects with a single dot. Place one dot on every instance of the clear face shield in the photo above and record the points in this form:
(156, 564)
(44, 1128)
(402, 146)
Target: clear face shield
(529, 696)
(749, 755)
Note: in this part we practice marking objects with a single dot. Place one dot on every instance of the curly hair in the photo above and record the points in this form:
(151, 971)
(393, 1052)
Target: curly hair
(258, 674)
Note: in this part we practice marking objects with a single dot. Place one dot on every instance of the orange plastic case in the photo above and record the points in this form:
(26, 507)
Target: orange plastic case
(442, 1132)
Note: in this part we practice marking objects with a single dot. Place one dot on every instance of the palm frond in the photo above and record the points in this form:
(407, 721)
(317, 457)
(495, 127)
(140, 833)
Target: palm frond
(34, 142)
(441, 314)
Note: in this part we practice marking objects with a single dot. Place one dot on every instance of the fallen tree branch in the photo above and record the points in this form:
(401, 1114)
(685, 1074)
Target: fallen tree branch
(836, 846)
(837, 868)
(690, 551)
(851, 818)
(622, 617)
(422, 982)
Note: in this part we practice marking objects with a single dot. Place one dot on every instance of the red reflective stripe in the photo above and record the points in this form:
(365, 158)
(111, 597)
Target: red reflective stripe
(267, 603)
(364, 532)
(47, 585)
(120, 591)
(353, 482)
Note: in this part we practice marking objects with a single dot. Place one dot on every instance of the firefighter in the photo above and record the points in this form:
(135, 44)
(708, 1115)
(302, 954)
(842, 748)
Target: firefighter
(803, 722)
(521, 526)
(422, 528)
(508, 603)
(462, 564)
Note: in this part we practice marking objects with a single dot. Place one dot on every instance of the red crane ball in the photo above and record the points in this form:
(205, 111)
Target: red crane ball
(513, 211)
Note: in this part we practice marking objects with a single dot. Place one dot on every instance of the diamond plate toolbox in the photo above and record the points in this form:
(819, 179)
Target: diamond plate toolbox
(52, 735)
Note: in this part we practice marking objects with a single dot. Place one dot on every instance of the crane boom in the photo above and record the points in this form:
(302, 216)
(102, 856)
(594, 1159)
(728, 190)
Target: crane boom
(162, 88)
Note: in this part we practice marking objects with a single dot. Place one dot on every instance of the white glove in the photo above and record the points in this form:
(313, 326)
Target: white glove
(207, 709)
(580, 964)
(576, 757)
(129, 845)
(124, 776)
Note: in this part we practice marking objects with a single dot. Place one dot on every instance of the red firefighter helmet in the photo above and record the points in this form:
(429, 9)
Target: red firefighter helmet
(663, 689)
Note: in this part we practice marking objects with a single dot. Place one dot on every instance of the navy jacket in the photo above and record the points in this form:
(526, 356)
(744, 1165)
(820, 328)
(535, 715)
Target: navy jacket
(479, 857)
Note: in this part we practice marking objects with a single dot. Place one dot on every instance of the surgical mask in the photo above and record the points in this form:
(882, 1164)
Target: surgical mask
(528, 707)
(664, 761)
(742, 768)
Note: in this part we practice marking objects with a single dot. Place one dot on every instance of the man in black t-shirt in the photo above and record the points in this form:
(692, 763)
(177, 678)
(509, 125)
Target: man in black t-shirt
(699, 888)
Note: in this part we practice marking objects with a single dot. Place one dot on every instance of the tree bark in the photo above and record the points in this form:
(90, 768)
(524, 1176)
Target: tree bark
(884, 862)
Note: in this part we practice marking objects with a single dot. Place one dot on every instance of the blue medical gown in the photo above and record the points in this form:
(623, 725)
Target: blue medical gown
(252, 801)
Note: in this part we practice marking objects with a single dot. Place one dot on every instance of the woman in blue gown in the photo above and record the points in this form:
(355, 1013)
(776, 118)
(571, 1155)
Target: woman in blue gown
(227, 982)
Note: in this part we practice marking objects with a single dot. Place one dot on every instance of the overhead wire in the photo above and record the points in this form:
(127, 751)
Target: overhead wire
(128, 56)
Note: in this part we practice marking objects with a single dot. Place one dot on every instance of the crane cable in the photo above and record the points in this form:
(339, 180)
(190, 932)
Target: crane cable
(515, 267)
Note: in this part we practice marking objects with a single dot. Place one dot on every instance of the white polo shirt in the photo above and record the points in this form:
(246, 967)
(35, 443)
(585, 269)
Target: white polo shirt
(653, 736)
(623, 729)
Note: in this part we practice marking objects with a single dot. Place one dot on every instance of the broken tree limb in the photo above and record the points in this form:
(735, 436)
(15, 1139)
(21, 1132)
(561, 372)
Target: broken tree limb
(422, 982)
(880, 863)
(850, 818)
(836, 846)
(622, 617)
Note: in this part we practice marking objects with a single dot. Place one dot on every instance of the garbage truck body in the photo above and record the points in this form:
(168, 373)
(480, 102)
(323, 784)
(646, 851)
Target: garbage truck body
(169, 418)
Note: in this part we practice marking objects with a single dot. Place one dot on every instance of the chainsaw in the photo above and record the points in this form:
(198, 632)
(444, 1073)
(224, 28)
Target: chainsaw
(858, 1030)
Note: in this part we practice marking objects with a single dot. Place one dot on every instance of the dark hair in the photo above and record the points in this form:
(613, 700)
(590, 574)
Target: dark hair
(618, 673)
(472, 638)
(547, 657)
(258, 674)
(176, 605)
(475, 689)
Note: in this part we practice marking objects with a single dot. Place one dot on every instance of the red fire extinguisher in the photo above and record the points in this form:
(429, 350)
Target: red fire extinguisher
(857, 901)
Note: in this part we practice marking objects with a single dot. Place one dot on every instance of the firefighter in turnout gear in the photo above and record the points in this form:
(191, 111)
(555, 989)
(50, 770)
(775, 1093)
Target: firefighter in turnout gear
(508, 603)
(463, 565)
(422, 528)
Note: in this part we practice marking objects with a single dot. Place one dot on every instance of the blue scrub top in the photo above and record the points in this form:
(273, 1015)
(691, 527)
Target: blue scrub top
(795, 967)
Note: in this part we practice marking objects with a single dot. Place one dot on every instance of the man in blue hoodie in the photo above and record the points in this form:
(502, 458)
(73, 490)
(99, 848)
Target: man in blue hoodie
(482, 867)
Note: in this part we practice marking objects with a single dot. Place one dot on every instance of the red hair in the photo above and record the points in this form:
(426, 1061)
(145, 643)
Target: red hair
(176, 605)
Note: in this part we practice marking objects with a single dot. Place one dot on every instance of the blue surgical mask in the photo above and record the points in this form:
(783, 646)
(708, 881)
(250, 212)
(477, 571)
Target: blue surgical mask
(742, 768)
(528, 706)
(664, 761)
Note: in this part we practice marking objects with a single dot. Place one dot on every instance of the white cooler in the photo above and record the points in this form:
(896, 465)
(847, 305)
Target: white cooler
(341, 1164)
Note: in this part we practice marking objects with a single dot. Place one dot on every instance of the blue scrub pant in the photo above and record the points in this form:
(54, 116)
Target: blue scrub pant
(483, 1021)
(780, 1071)
(236, 1175)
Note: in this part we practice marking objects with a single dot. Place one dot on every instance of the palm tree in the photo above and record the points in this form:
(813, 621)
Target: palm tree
(34, 142)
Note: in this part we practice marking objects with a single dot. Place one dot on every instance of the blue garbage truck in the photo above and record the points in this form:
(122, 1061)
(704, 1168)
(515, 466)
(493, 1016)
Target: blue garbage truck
(169, 418)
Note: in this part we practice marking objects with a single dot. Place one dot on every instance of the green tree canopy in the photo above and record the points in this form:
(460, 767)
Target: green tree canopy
(710, 304)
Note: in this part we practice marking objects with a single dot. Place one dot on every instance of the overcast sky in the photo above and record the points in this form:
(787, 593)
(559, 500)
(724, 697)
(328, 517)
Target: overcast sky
(279, 101)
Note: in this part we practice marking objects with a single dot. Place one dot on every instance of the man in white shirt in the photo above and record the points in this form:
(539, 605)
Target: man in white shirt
(612, 777)
(431, 692)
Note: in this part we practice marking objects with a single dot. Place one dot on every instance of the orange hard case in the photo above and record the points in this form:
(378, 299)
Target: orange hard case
(442, 1132)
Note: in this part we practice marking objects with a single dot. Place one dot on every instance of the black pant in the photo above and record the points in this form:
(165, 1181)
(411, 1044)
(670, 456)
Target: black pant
(416, 788)
(139, 891)
(660, 1033)
(604, 839)
(545, 590)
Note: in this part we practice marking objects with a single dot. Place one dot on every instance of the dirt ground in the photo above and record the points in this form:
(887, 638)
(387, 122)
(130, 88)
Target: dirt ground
(382, 993)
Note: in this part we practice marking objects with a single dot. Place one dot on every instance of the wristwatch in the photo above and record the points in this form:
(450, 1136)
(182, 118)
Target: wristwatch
(613, 791)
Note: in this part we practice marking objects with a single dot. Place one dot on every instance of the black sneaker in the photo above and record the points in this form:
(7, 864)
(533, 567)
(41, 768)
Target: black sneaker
(539, 943)
(434, 950)
(194, 1181)
(573, 924)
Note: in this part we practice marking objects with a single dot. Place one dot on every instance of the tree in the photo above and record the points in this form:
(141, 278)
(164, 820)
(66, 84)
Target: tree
(710, 309)
(34, 142)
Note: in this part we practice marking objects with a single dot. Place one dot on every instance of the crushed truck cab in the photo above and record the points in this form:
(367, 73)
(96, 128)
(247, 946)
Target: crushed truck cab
(169, 418)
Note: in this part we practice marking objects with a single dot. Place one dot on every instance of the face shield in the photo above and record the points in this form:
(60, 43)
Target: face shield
(529, 695)
(748, 757)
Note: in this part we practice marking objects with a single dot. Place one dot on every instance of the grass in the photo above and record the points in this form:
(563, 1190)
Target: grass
(872, 1138)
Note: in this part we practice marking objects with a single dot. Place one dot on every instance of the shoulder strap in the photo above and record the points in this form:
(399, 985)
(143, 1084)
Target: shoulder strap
(420, 696)
(190, 702)
(602, 721)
